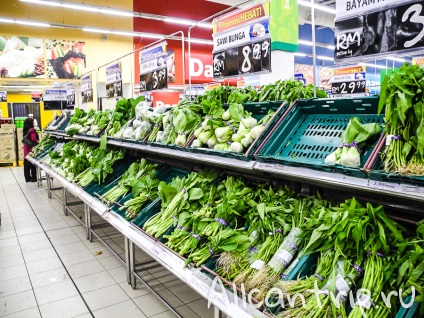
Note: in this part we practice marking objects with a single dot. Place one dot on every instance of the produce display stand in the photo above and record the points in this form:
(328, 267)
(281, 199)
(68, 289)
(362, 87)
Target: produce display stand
(200, 281)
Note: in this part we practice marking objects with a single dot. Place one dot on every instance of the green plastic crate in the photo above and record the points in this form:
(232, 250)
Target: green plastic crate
(377, 173)
(312, 130)
(411, 312)
(258, 110)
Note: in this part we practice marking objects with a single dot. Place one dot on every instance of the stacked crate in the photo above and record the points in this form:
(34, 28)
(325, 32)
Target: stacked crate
(7, 143)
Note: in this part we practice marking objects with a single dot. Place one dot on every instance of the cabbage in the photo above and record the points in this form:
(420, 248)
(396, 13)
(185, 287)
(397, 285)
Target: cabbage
(198, 131)
(223, 134)
(249, 122)
(127, 132)
(205, 124)
(212, 142)
(226, 115)
(196, 143)
(222, 146)
(350, 157)
(256, 131)
(246, 142)
(137, 123)
(236, 147)
(236, 137)
(204, 136)
(181, 140)
(333, 157)
(159, 137)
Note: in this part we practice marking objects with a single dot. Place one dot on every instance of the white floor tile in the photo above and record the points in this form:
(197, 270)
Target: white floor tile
(76, 258)
(55, 226)
(30, 230)
(15, 286)
(44, 265)
(150, 305)
(94, 281)
(55, 292)
(23, 239)
(60, 232)
(65, 239)
(119, 274)
(101, 252)
(17, 302)
(134, 293)
(84, 269)
(48, 278)
(13, 272)
(201, 308)
(185, 293)
(38, 255)
(6, 234)
(28, 313)
(9, 250)
(105, 297)
(71, 248)
(124, 309)
(9, 242)
(11, 260)
(36, 245)
(110, 262)
(65, 308)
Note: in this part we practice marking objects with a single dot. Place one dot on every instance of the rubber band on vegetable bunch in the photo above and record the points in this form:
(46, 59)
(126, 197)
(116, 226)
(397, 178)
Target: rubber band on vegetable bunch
(178, 196)
(401, 98)
(130, 179)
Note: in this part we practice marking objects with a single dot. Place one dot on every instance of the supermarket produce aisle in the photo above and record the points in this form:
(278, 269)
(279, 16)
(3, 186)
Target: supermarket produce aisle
(49, 269)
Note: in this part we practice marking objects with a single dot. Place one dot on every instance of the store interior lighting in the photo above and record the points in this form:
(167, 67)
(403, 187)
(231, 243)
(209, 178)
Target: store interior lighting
(25, 22)
(316, 6)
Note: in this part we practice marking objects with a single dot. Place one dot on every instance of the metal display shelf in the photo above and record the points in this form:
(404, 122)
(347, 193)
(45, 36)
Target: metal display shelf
(338, 180)
(315, 177)
(224, 301)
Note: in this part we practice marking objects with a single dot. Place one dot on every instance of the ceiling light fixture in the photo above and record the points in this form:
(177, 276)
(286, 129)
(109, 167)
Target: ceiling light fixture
(80, 7)
(31, 23)
(309, 43)
(6, 20)
(117, 12)
(325, 58)
(374, 65)
(397, 59)
(187, 22)
(300, 54)
(47, 3)
(316, 6)
(96, 30)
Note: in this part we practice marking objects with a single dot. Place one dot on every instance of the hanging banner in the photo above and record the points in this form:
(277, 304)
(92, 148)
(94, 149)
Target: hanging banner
(365, 29)
(349, 81)
(70, 95)
(153, 68)
(87, 89)
(54, 99)
(114, 80)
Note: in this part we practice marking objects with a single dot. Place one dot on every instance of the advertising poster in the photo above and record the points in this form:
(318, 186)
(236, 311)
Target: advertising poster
(349, 81)
(65, 59)
(70, 96)
(21, 57)
(325, 78)
(368, 29)
(418, 61)
(114, 80)
(54, 99)
(87, 89)
(153, 68)
(3, 96)
(305, 73)
(242, 44)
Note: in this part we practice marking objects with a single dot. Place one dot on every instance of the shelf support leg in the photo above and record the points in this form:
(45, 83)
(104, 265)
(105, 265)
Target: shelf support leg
(131, 269)
(128, 259)
(64, 200)
(87, 213)
(49, 186)
(217, 313)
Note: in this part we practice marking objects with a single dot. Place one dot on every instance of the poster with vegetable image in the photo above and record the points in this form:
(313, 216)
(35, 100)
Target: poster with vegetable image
(65, 59)
(21, 57)
(87, 88)
(114, 80)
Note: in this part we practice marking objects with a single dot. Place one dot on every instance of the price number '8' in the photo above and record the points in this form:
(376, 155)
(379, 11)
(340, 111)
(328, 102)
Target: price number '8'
(416, 17)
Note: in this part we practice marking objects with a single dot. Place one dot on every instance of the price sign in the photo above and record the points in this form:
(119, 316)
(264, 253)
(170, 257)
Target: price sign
(368, 29)
(348, 88)
(153, 68)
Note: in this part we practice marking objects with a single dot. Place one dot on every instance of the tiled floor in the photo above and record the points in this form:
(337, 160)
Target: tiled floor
(49, 269)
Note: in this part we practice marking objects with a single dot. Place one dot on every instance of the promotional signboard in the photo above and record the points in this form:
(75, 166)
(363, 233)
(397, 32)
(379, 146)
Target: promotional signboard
(200, 66)
(242, 43)
(87, 89)
(370, 28)
(114, 80)
(349, 81)
(153, 68)
(418, 61)
(54, 99)
(70, 95)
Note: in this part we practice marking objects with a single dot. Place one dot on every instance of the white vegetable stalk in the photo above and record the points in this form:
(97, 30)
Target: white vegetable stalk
(196, 143)
(212, 141)
(204, 136)
(226, 115)
(236, 147)
(181, 140)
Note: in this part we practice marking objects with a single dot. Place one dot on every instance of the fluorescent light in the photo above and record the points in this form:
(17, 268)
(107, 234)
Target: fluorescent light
(205, 25)
(80, 7)
(325, 58)
(178, 21)
(151, 36)
(200, 41)
(6, 20)
(48, 3)
(125, 33)
(38, 24)
(117, 12)
(317, 7)
(374, 65)
(299, 54)
(397, 59)
(331, 47)
(309, 43)
(96, 30)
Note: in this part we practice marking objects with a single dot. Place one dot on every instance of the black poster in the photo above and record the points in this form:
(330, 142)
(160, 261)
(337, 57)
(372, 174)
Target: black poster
(219, 65)
(231, 62)
(266, 55)
(154, 80)
(246, 59)
(379, 33)
(348, 38)
(410, 23)
(257, 56)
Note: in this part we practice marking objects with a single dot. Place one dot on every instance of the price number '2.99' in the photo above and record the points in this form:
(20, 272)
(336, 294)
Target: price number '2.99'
(353, 87)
